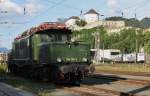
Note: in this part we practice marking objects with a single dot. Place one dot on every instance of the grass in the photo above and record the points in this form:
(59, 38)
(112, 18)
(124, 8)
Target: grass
(123, 67)
(3, 69)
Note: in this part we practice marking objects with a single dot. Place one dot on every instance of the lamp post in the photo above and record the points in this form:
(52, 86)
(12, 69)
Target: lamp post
(136, 46)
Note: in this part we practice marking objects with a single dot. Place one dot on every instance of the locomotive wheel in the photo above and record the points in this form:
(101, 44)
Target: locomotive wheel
(34, 73)
(54, 75)
(44, 75)
(80, 76)
(10, 68)
(14, 69)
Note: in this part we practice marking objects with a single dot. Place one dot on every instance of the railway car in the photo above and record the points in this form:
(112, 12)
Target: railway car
(129, 58)
(46, 52)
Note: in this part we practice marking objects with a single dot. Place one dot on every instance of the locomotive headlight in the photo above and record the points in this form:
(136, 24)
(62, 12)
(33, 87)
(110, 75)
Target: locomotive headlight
(59, 60)
(84, 59)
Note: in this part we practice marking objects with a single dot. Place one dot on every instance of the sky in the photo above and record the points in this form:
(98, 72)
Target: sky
(16, 16)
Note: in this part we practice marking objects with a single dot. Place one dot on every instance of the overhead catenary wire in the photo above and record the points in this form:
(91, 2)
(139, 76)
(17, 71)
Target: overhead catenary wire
(45, 11)
(81, 10)
(135, 6)
(31, 20)
(65, 5)
(142, 8)
(38, 15)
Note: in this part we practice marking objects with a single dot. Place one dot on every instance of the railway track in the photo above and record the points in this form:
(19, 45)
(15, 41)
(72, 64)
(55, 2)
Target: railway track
(122, 80)
(7, 90)
(85, 90)
(3, 93)
(90, 90)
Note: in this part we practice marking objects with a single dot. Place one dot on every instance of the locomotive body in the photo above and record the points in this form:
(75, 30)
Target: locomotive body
(47, 53)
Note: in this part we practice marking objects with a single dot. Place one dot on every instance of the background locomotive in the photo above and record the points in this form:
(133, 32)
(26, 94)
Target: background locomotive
(47, 53)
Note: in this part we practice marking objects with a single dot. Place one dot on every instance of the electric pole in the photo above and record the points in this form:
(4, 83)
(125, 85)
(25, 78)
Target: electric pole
(96, 45)
(136, 42)
(103, 39)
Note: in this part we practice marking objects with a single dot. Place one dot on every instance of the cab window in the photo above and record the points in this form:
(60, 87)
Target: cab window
(54, 37)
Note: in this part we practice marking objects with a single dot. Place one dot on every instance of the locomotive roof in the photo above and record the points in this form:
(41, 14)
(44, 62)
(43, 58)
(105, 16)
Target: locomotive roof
(42, 27)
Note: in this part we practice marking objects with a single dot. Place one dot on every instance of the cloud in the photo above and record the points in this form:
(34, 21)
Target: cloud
(112, 4)
(8, 5)
(32, 6)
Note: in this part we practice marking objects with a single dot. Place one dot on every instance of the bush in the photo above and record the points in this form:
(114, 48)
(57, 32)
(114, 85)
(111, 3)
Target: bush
(3, 68)
(81, 23)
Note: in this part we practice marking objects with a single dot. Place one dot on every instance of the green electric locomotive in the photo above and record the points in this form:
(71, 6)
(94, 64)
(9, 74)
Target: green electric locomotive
(47, 53)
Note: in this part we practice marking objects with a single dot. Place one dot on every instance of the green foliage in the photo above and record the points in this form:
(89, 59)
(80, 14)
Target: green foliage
(147, 42)
(81, 23)
(127, 40)
(133, 22)
(84, 35)
(62, 20)
(88, 35)
(145, 22)
(3, 68)
(116, 18)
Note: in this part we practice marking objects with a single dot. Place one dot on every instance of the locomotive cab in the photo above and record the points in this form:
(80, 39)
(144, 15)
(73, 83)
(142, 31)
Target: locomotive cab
(55, 48)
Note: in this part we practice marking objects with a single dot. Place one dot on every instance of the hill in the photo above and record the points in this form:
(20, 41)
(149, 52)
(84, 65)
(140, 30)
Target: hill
(3, 49)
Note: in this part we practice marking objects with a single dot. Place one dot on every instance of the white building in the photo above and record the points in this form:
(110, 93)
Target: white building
(92, 19)
(91, 16)
(71, 21)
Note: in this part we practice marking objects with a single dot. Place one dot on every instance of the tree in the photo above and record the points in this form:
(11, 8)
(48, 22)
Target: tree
(116, 18)
(147, 42)
(133, 23)
(87, 35)
(81, 22)
(127, 41)
(61, 20)
(145, 22)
